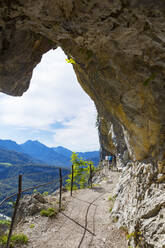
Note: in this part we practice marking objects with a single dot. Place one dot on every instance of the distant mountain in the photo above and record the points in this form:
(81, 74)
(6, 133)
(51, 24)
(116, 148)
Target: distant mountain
(10, 145)
(93, 156)
(40, 153)
(63, 151)
(87, 155)
(13, 157)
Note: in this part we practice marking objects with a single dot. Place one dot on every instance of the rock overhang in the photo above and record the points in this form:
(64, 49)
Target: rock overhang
(118, 48)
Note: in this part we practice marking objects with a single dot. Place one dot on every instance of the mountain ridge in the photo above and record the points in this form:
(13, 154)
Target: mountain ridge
(40, 153)
(13, 157)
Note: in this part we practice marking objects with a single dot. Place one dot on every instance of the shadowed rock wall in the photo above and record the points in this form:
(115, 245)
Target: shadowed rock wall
(119, 50)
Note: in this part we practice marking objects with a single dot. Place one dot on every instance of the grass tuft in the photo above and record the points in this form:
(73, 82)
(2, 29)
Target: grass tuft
(16, 239)
(5, 222)
(32, 226)
(50, 212)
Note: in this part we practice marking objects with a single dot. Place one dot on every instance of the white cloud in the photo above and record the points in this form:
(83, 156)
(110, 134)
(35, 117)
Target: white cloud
(54, 96)
(80, 133)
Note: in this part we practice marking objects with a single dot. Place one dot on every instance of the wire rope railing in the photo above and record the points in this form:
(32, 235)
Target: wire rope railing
(53, 167)
(60, 180)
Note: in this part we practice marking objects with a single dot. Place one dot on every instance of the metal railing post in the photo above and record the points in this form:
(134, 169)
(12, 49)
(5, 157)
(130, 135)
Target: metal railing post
(71, 182)
(90, 166)
(60, 196)
(15, 210)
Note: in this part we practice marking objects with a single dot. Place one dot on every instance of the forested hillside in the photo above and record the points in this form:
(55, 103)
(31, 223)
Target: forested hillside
(32, 175)
(13, 157)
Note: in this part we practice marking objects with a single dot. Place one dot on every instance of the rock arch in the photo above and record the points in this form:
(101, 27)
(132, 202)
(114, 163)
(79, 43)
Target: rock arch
(118, 47)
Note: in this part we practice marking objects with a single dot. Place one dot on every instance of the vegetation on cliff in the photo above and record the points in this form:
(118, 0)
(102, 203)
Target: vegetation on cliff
(81, 172)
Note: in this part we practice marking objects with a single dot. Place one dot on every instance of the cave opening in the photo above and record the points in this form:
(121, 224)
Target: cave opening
(55, 110)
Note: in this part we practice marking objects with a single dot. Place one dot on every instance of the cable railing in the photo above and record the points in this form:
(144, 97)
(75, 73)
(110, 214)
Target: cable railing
(53, 167)
(20, 191)
(30, 188)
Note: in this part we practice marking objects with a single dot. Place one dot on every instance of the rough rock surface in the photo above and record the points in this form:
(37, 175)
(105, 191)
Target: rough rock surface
(30, 205)
(140, 205)
(119, 50)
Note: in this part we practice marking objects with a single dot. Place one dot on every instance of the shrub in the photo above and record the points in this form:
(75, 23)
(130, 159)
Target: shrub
(81, 173)
(45, 193)
(32, 226)
(5, 222)
(19, 239)
(71, 60)
(110, 198)
(50, 212)
(16, 239)
(110, 210)
(3, 240)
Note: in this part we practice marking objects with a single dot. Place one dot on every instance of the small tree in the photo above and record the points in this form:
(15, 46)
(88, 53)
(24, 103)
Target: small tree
(81, 172)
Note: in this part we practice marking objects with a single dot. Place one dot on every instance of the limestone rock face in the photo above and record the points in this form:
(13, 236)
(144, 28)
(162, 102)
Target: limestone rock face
(119, 50)
(30, 205)
(144, 197)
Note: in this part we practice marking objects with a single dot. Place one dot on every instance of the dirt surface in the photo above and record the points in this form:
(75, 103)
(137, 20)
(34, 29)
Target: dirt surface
(88, 207)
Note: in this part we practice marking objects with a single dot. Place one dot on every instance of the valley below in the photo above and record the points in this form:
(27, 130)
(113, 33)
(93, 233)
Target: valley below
(37, 163)
(33, 175)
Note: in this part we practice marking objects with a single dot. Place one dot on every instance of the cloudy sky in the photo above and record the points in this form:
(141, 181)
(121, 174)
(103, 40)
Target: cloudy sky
(55, 110)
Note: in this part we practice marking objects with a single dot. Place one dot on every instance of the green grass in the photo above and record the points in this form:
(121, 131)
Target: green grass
(7, 164)
(45, 193)
(5, 222)
(32, 226)
(16, 239)
(112, 198)
(115, 219)
(50, 212)
(110, 210)
(96, 185)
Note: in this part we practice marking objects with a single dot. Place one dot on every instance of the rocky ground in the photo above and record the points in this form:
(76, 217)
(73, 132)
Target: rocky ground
(91, 208)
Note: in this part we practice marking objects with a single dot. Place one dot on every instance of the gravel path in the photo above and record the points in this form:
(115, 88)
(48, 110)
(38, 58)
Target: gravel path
(90, 208)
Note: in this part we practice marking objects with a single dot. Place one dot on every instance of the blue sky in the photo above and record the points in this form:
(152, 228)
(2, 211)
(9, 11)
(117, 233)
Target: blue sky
(55, 110)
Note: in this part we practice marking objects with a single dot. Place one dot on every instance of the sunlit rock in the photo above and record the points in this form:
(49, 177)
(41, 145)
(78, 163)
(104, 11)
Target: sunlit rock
(118, 48)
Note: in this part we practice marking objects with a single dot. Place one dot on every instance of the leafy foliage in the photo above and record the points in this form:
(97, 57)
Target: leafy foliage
(137, 235)
(50, 212)
(16, 239)
(71, 60)
(5, 222)
(45, 193)
(81, 171)
(110, 210)
(32, 226)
